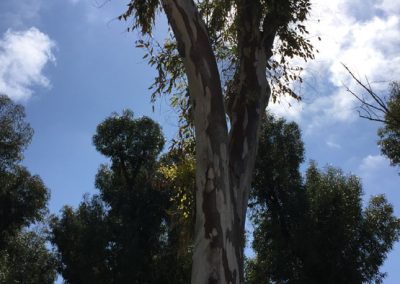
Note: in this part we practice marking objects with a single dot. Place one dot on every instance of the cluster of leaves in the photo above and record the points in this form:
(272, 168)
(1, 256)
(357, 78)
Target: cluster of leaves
(313, 231)
(23, 198)
(280, 153)
(177, 173)
(390, 133)
(124, 234)
(15, 134)
(292, 42)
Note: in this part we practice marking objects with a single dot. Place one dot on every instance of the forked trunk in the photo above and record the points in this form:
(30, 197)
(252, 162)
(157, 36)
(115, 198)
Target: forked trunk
(224, 162)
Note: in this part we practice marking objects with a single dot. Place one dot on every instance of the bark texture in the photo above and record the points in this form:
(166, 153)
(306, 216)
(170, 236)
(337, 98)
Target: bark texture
(225, 160)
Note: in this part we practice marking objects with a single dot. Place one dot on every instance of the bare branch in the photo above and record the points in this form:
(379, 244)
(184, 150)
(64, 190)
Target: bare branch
(376, 110)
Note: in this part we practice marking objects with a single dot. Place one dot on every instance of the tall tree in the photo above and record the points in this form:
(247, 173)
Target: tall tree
(241, 35)
(277, 200)
(313, 231)
(123, 234)
(24, 257)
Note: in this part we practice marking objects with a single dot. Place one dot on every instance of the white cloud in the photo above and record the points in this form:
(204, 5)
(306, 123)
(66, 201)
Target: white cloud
(378, 176)
(389, 6)
(287, 107)
(365, 37)
(23, 56)
(373, 163)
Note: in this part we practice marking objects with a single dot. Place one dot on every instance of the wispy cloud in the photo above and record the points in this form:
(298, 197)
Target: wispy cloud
(287, 107)
(99, 12)
(333, 145)
(378, 176)
(373, 163)
(23, 56)
(18, 14)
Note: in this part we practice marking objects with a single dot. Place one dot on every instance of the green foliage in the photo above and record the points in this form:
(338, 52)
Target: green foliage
(283, 19)
(277, 202)
(81, 239)
(26, 259)
(143, 12)
(280, 153)
(177, 175)
(23, 197)
(23, 200)
(15, 133)
(317, 231)
(122, 235)
(390, 133)
(130, 143)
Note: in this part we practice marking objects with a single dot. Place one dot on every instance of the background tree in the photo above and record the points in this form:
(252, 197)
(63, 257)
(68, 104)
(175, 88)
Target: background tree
(27, 259)
(315, 231)
(123, 234)
(176, 174)
(375, 107)
(23, 198)
(240, 35)
(389, 134)
(81, 238)
(277, 200)
(15, 134)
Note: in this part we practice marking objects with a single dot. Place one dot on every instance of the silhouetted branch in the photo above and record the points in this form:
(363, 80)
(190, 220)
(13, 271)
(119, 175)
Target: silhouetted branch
(375, 109)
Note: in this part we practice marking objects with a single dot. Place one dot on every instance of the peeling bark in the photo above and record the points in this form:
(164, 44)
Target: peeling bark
(224, 163)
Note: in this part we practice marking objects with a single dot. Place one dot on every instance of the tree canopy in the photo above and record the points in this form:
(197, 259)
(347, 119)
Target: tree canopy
(24, 257)
(224, 21)
(123, 234)
(23, 197)
(389, 134)
(312, 230)
(27, 259)
(316, 230)
(15, 134)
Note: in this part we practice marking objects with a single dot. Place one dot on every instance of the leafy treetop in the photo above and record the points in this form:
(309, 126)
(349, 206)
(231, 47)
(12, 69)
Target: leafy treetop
(224, 23)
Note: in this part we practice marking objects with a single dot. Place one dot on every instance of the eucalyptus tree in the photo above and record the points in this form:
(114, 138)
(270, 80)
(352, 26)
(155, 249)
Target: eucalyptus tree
(221, 55)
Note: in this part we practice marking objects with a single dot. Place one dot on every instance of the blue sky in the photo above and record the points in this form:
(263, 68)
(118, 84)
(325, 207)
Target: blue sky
(71, 63)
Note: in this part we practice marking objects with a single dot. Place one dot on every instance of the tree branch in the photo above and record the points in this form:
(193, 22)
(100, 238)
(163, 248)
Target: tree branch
(377, 104)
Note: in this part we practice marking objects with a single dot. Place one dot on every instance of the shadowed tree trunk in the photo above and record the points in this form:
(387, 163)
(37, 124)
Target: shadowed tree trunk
(225, 160)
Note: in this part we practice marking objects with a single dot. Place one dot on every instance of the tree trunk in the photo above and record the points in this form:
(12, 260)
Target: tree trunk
(224, 163)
